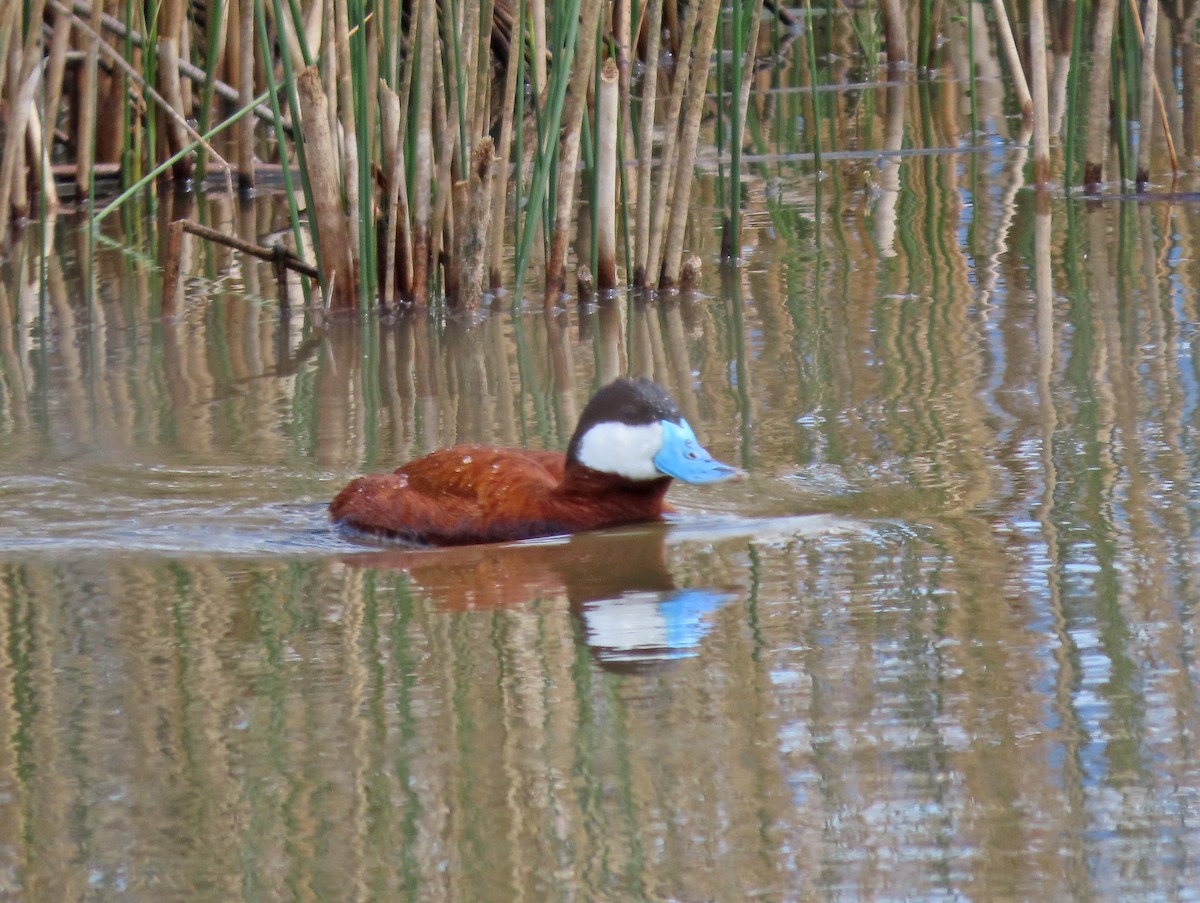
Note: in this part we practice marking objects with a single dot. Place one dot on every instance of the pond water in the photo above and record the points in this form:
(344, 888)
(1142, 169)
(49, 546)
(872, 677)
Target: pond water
(940, 644)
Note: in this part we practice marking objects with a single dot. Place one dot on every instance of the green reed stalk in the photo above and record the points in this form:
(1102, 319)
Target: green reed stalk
(811, 46)
(733, 238)
(548, 132)
(362, 87)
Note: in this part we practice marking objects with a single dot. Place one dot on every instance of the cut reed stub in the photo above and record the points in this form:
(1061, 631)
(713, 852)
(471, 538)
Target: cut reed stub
(606, 178)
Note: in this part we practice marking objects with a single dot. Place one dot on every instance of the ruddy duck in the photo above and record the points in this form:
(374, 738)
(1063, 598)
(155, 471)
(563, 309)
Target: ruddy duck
(630, 442)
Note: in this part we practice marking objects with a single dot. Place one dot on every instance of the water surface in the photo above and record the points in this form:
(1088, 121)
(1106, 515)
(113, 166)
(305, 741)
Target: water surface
(940, 643)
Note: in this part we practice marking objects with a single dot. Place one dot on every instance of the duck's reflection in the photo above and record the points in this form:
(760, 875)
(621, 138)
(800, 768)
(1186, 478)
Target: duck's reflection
(617, 584)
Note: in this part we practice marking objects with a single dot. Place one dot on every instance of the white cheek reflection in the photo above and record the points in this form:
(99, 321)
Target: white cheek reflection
(621, 449)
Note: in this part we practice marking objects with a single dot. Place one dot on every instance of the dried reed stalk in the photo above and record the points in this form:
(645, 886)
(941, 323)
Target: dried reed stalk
(500, 182)
(176, 132)
(1146, 106)
(349, 125)
(333, 232)
(9, 13)
(393, 165)
(470, 250)
(38, 147)
(1097, 117)
(244, 42)
(1150, 78)
(537, 52)
(86, 128)
(895, 33)
(1009, 44)
(187, 70)
(641, 239)
(56, 64)
(666, 167)
(689, 136)
(425, 48)
(1041, 92)
(608, 102)
(572, 118)
(12, 175)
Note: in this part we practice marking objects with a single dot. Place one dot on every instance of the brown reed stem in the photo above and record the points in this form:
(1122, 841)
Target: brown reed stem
(1097, 117)
(1041, 92)
(1149, 39)
(86, 128)
(393, 165)
(56, 65)
(666, 168)
(425, 48)
(572, 118)
(471, 251)
(337, 260)
(608, 103)
(895, 33)
(245, 44)
(698, 82)
(500, 180)
(176, 131)
(349, 126)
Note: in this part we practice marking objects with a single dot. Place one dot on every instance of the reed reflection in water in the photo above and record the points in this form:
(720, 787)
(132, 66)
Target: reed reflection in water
(941, 643)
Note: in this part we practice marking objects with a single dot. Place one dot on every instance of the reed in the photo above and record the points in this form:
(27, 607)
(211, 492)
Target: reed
(452, 128)
(605, 207)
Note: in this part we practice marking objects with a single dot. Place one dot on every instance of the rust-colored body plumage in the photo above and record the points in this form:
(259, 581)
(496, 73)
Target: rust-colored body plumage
(475, 494)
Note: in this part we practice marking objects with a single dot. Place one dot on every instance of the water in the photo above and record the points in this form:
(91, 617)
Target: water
(940, 644)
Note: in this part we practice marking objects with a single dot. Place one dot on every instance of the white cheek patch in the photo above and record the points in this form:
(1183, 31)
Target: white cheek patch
(623, 450)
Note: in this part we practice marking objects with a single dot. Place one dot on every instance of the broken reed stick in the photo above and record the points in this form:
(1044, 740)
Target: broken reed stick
(280, 257)
(608, 103)
(340, 276)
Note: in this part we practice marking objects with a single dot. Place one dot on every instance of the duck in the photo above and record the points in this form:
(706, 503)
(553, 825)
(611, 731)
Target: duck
(630, 443)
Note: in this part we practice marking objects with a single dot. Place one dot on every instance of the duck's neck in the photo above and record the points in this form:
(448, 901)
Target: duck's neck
(581, 480)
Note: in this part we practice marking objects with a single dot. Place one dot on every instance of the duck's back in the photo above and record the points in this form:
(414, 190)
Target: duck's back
(465, 494)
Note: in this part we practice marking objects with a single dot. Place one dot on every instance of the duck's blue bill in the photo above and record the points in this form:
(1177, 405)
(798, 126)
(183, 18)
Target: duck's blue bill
(683, 457)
